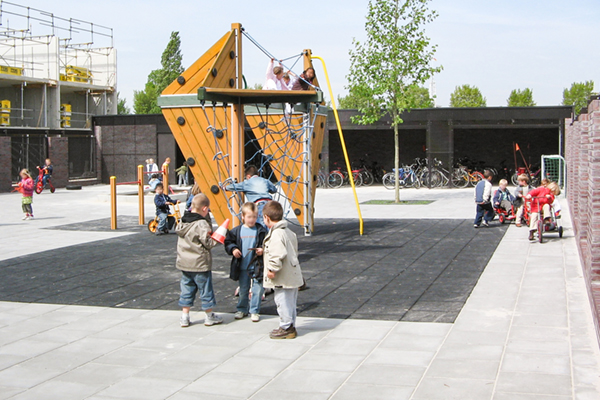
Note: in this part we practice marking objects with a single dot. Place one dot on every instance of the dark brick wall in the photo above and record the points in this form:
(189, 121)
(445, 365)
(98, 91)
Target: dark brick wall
(123, 147)
(582, 151)
(58, 152)
(5, 164)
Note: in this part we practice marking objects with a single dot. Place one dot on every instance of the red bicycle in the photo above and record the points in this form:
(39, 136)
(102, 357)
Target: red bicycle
(39, 182)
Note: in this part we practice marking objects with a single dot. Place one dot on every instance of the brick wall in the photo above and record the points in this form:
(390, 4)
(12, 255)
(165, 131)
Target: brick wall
(582, 153)
(123, 147)
(58, 152)
(5, 164)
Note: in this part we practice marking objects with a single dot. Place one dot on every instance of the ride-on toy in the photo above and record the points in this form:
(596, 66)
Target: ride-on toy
(174, 216)
(39, 182)
(553, 224)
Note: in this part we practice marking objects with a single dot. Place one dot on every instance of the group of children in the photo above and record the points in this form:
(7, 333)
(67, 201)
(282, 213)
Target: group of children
(542, 200)
(26, 186)
(264, 255)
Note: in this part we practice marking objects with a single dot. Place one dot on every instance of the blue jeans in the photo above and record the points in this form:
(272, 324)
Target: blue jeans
(190, 283)
(163, 218)
(249, 306)
(45, 179)
(259, 208)
(485, 211)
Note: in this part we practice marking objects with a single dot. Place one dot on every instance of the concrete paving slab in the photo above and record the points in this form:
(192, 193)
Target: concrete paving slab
(524, 332)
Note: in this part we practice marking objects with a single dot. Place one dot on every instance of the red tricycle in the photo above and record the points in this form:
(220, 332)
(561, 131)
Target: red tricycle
(549, 221)
(39, 182)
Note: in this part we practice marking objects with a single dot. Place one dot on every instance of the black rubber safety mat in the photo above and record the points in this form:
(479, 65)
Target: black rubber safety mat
(410, 270)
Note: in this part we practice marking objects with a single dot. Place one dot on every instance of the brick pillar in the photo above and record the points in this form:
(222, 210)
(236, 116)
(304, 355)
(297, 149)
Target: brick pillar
(5, 164)
(58, 150)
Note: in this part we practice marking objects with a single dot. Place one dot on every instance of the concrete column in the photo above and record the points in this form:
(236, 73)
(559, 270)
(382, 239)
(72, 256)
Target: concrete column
(58, 150)
(5, 164)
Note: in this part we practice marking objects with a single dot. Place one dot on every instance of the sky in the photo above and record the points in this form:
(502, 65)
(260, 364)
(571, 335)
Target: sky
(497, 46)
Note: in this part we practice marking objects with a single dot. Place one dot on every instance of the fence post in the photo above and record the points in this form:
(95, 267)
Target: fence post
(140, 174)
(113, 202)
(166, 178)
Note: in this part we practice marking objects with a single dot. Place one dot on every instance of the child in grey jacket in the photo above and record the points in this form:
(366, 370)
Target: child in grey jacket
(282, 269)
(195, 261)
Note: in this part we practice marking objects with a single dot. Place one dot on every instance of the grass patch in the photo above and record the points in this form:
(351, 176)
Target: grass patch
(401, 203)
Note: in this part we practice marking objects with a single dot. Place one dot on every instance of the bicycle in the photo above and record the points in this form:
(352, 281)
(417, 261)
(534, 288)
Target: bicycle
(39, 182)
(406, 178)
(175, 215)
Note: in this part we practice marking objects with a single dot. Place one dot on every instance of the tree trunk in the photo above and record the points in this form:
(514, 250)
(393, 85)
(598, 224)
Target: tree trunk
(396, 164)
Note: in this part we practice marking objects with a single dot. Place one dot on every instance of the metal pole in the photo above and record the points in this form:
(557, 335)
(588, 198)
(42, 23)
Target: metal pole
(113, 202)
(339, 126)
(140, 174)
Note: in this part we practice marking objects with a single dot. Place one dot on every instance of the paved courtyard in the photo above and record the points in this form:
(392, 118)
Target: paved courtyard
(422, 306)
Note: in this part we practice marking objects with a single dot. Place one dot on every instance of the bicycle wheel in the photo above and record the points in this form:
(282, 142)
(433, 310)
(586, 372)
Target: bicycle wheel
(335, 180)
(515, 179)
(152, 225)
(367, 178)
(475, 177)
(388, 181)
(357, 177)
(540, 228)
(460, 179)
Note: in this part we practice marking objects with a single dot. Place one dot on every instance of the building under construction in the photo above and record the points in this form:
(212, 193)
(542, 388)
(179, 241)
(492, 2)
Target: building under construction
(55, 73)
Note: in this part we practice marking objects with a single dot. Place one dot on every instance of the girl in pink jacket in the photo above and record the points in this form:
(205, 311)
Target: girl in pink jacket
(25, 186)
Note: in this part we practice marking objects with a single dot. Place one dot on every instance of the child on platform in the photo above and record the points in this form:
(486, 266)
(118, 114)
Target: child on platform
(282, 269)
(244, 243)
(162, 203)
(194, 260)
(25, 186)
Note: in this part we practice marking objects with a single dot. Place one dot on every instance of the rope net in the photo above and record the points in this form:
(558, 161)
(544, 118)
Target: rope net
(277, 142)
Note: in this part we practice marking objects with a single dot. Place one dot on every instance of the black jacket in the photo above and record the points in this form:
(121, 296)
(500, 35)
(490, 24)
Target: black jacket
(234, 241)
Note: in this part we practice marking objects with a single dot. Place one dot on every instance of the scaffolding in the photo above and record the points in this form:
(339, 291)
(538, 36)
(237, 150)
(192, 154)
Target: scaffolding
(47, 61)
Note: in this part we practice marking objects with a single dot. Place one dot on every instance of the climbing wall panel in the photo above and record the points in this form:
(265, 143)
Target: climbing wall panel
(216, 68)
(198, 138)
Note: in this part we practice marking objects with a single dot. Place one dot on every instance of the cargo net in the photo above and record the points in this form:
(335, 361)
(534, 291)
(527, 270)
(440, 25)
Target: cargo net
(280, 153)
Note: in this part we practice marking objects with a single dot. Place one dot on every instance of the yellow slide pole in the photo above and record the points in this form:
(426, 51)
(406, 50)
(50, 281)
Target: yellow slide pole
(339, 127)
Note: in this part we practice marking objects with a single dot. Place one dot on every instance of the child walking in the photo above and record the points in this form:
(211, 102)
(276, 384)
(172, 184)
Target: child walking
(244, 243)
(282, 269)
(194, 260)
(25, 186)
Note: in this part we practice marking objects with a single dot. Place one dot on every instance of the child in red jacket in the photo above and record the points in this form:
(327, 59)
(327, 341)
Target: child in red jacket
(25, 186)
(545, 197)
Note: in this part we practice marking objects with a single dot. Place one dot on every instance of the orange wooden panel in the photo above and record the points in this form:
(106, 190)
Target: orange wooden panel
(281, 145)
(316, 147)
(199, 74)
(196, 141)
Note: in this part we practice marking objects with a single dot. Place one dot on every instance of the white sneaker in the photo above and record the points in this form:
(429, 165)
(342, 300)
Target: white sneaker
(255, 317)
(30, 217)
(239, 315)
(212, 319)
(26, 216)
(185, 321)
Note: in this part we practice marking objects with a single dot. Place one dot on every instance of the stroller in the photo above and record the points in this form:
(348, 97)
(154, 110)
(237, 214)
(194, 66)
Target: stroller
(546, 225)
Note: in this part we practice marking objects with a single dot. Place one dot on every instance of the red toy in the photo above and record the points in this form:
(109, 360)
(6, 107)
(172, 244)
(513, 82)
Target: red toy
(39, 185)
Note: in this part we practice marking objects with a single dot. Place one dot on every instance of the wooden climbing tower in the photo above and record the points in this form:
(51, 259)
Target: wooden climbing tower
(215, 121)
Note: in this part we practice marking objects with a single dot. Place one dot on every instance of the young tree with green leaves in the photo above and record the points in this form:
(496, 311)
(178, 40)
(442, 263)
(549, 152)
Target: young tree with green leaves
(122, 108)
(467, 96)
(521, 98)
(146, 100)
(393, 60)
(578, 95)
(417, 96)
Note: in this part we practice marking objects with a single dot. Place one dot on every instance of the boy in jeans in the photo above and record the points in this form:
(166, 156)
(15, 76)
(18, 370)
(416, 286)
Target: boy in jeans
(162, 203)
(195, 261)
(282, 269)
(244, 243)
(483, 197)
